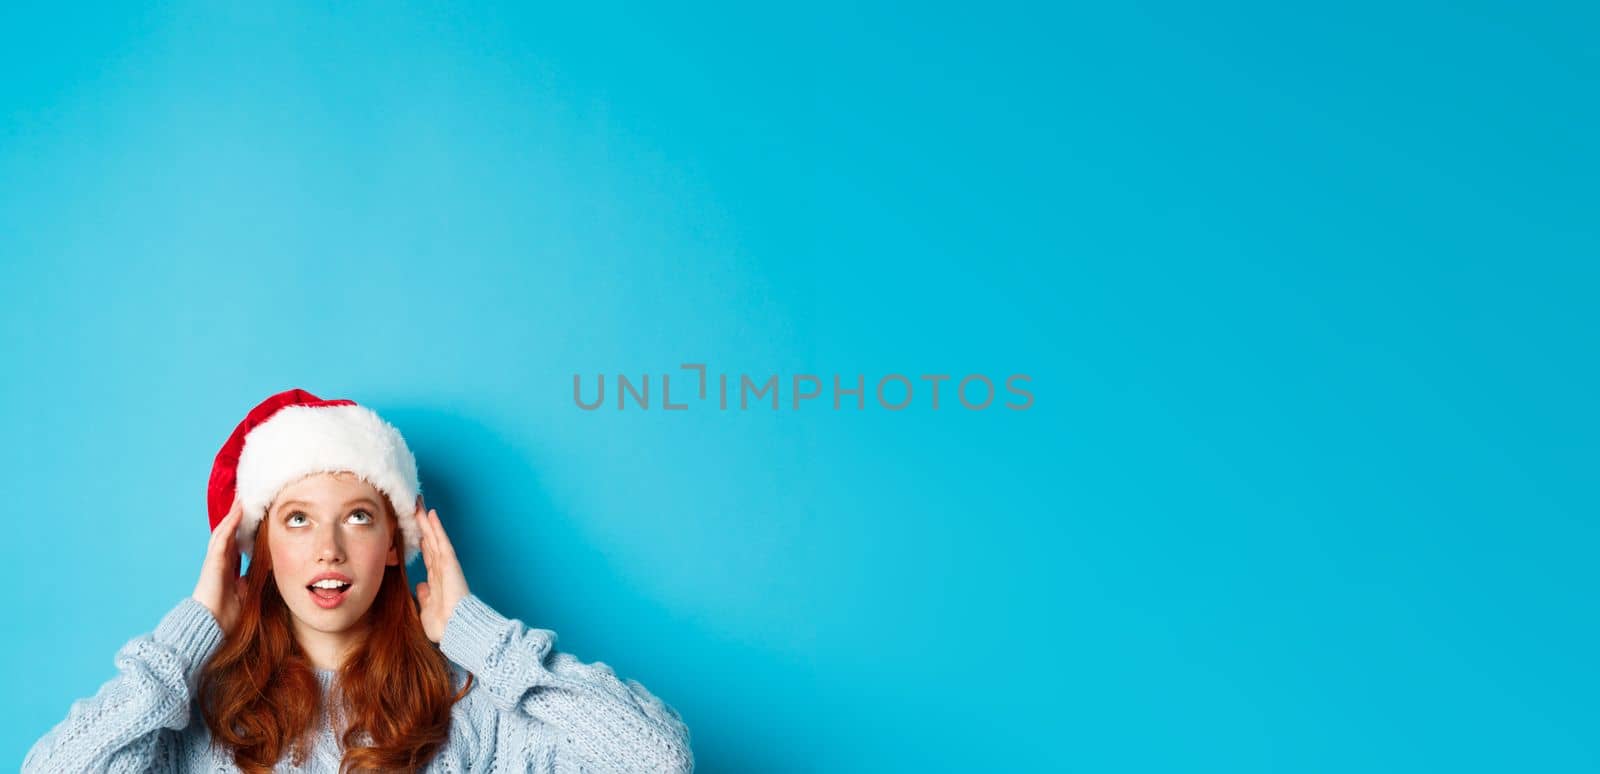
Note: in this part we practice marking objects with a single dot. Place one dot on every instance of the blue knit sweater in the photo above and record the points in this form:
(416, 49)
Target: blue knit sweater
(531, 708)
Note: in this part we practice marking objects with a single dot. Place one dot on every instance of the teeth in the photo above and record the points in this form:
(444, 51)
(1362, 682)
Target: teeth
(328, 583)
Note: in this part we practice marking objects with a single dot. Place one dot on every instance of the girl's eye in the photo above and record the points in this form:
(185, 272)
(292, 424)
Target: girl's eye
(292, 517)
(362, 515)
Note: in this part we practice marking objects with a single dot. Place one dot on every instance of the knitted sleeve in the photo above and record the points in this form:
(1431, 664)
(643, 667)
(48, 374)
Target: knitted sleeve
(132, 723)
(598, 722)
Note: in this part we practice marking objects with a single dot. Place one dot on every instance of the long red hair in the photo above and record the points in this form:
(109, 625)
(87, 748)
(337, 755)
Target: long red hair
(260, 697)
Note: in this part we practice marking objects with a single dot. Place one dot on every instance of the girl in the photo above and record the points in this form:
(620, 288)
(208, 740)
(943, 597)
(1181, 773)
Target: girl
(317, 659)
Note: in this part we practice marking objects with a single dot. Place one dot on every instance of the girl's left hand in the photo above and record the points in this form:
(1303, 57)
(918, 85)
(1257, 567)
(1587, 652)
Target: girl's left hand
(446, 584)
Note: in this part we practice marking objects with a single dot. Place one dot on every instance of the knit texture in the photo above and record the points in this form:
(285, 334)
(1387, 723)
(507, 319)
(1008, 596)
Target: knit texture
(532, 708)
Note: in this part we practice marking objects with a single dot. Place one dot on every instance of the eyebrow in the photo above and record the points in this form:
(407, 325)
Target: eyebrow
(287, 503)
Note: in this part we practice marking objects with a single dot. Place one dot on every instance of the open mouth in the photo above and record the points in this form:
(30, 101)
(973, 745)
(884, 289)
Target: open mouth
(328, 595)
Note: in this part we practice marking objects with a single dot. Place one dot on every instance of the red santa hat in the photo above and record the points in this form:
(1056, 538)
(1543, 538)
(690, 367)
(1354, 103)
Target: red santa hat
(294, 434)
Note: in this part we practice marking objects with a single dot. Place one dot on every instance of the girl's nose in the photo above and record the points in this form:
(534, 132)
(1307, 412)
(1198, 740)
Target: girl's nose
(329, 548)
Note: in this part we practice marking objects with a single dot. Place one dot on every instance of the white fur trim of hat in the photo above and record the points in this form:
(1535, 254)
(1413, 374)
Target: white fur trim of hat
(300, 440)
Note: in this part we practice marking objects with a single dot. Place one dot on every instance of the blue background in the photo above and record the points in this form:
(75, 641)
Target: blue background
(1307, 296)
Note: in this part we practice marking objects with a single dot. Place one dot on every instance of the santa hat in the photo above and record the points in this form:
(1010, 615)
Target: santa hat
(293, 434)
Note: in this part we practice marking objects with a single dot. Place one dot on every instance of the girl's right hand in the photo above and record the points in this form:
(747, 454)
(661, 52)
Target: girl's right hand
(221, 587)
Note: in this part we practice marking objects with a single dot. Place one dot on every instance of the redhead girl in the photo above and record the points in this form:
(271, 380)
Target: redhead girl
(318, 659)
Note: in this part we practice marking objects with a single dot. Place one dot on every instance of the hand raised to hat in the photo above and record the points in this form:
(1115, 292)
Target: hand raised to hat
(221, 587)
(446, 584)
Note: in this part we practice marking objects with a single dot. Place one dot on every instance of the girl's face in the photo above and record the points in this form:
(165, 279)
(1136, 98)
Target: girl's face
(329, 524)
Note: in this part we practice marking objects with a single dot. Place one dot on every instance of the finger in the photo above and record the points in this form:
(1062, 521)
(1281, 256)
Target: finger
(230, 541)
(446, 550)
(226, 529)
(429, 545)
(426, 544)
(423, 592)
(422, 521)
(436, 538)
(445, 546)
(222, 527)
